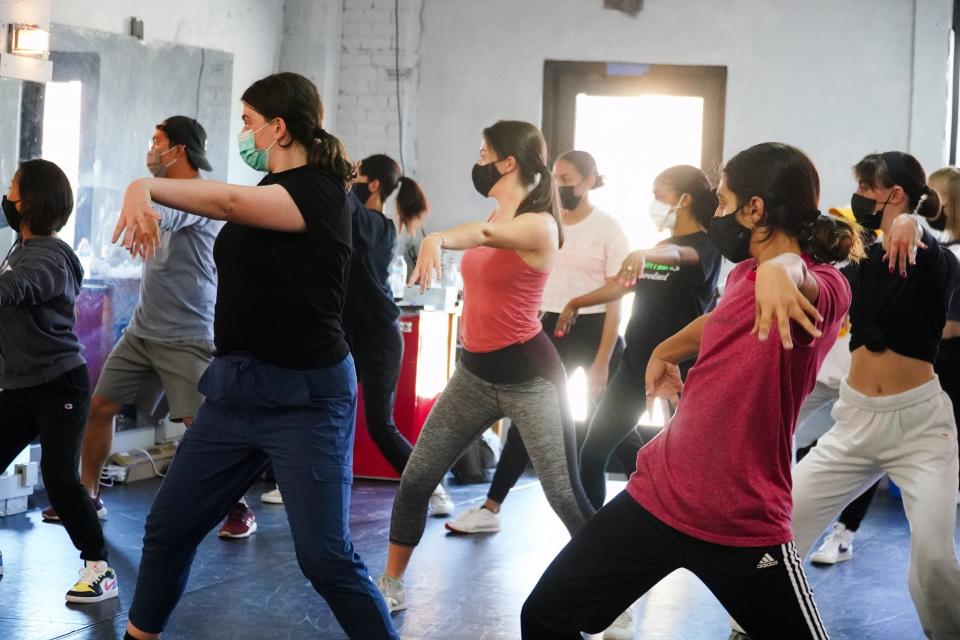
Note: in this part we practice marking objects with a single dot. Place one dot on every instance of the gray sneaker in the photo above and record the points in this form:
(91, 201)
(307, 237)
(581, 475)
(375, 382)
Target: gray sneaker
(393, 593)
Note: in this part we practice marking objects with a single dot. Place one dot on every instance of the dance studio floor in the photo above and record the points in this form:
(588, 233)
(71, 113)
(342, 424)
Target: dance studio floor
(458, 587)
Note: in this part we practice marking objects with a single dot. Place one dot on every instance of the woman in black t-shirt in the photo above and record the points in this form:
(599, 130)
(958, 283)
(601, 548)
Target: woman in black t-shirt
(370, 314)
(892, 415)
(281, 388)
(674, 283)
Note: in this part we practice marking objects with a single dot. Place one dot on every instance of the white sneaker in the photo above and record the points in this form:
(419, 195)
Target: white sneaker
(476, 520)
(623, 628)
(440, 502)
(393, 593)
(836, 547)
(272, 497)
(97, 583)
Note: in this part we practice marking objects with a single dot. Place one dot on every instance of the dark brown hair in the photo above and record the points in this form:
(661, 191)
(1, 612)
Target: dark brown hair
(525, 143)
(585, 165)
(949, 177)
(895, 168)
(787, 182)
(688, 179)
(295, 99)
(411, 202)
(46, 197)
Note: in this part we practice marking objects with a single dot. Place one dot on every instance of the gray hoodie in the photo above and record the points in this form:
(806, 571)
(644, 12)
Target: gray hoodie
(39, 284)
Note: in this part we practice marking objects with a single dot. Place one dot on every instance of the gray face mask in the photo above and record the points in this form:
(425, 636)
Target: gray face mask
(155, 164)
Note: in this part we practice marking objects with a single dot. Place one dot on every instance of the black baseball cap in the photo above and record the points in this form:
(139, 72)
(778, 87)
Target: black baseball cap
(189, 133)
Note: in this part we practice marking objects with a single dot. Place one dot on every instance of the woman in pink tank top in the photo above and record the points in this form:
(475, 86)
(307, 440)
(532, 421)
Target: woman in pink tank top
(509, 367)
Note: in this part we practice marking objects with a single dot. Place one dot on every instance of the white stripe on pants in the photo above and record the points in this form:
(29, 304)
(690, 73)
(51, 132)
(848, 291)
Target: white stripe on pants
(912, 437)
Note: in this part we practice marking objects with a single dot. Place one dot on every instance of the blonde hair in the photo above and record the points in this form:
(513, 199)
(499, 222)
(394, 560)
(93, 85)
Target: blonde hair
(946, 182)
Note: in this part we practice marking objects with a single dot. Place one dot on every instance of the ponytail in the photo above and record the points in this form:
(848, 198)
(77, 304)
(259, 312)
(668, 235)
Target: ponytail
(411, 202)
(830, 239)
(295, 99)
(543, 197)
(525, 143)
(704, 206)
(326, 152)
(928, 204)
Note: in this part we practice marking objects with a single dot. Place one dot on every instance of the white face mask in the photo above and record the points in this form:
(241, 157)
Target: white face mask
(664, 215)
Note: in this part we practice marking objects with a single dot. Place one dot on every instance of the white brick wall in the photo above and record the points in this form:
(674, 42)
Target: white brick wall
(367, 102)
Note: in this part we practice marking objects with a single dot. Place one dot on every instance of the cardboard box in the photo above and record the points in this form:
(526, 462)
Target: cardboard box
(141, 464)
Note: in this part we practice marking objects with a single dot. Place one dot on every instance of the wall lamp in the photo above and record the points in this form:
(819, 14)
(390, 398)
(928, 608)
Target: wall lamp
(29, 40)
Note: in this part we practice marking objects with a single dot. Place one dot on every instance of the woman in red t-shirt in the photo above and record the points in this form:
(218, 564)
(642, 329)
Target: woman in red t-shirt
(711, 493)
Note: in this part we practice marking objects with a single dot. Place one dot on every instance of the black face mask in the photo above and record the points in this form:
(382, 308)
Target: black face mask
(865, 211)
(568, 199)
(484, 177)
(940, 222)
(11, 214)
(730, 237)
(362, 191)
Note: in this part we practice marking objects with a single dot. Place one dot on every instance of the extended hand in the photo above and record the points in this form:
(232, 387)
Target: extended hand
(662, 380)
(779, 300)
(631, 269)
(597, 376)
(568, 317)
(428, 264)
(138, 222)
(902, 243)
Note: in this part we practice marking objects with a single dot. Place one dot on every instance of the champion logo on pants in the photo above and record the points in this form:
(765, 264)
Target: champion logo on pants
(68, 406)
(767, 561)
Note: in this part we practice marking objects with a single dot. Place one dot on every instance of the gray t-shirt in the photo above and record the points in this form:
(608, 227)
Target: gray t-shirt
(179, 285)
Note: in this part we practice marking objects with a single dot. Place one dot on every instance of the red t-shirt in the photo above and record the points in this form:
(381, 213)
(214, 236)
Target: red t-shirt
(720, 471)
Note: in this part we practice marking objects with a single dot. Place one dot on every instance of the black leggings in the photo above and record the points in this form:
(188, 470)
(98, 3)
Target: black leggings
(57, 412)
(577, 349)
(624, 550)
(378, 359)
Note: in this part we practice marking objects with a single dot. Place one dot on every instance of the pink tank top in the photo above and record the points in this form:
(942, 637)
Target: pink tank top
(501, 299)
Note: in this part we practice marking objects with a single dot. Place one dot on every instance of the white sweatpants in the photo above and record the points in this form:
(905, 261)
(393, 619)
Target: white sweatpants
(912, 437)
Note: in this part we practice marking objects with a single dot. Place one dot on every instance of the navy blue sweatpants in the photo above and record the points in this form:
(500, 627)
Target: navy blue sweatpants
(300, 422)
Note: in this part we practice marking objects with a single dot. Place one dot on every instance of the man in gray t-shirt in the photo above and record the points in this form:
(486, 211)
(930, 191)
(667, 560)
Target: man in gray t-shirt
(169, 342)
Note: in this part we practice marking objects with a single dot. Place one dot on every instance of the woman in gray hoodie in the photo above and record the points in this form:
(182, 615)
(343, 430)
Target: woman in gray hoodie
(44, 379)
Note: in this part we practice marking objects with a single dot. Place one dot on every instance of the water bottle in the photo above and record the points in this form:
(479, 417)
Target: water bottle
(85, 255)
(398, 276)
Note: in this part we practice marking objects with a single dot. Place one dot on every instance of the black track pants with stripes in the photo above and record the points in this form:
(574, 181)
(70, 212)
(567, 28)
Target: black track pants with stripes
(623, 551)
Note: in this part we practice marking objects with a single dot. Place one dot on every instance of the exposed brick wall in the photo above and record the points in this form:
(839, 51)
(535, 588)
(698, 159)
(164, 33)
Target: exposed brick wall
(367, 102)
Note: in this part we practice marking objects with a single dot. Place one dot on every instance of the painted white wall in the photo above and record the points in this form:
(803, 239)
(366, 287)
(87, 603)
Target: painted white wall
(249, 29)
(838, 79)
(311, 46)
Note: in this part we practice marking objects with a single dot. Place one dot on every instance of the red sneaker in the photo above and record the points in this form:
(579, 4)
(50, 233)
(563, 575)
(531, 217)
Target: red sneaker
(49, 515)
(240, 522)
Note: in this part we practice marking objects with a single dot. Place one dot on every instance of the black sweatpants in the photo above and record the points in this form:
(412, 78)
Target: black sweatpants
(576, 349)
(57, 412)
(378, 359)
(623, 551)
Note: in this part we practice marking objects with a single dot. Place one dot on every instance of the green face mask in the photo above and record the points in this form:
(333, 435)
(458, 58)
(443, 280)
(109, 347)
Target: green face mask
(255, 158)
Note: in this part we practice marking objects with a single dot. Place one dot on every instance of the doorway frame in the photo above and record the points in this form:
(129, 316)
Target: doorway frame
(563, 80)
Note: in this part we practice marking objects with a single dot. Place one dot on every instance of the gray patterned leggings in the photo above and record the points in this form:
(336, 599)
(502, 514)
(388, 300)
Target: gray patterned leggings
(465, 409)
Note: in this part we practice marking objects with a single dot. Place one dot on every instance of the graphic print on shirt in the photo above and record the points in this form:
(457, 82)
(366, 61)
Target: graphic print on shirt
(656, 271)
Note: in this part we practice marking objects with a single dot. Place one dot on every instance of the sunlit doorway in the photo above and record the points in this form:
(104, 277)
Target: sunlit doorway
(636, 120)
